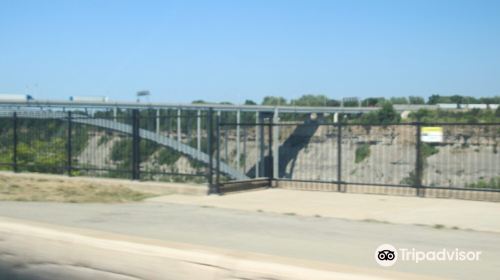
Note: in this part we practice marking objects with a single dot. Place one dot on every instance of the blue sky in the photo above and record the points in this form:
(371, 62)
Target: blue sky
(237, 50)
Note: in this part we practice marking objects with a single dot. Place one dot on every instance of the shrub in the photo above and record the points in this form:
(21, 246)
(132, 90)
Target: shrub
(428, 150)
(411, 180)
(493, 183)
(42, 156)
(104, 139)
(168, 156)
(121, 150)
(385, 115)
(362, 152)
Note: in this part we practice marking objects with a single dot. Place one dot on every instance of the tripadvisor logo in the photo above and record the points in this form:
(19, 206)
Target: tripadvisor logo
(387, 255)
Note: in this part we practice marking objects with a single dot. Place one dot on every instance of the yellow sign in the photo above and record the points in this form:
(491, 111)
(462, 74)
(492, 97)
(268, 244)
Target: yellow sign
(432, 134)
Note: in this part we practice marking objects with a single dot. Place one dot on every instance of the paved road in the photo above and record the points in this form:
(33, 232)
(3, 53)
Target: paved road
(323, 239)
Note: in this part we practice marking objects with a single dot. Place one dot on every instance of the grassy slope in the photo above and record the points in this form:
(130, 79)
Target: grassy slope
(44, 189)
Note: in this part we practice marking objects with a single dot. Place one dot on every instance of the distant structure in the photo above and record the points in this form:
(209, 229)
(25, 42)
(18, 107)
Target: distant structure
(15, 97)
(348, 105)
(88, 98)
(451, 106)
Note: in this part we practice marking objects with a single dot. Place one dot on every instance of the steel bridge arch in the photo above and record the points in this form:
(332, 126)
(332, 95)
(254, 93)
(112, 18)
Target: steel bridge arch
(169, 142)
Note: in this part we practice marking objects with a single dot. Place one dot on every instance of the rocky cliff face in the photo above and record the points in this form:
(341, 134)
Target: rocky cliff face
(467, 155)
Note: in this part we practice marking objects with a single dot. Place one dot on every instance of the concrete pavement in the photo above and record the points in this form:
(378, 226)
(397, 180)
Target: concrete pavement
(317, 239)
(434, 212)
(57, 252)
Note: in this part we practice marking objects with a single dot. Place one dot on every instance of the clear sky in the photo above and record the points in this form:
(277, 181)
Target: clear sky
(236, 50)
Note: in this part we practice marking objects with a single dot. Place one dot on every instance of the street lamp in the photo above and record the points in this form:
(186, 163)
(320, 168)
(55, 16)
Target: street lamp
(141, 94)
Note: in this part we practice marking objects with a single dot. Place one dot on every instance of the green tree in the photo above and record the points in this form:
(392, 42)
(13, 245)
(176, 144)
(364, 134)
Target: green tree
(351, 102)
(274, 101)
(199, 102)
(250, 102)
(434, 99)
(385, 115)
(399, 100)
(417, 100)
(457, 99)
(332, 103)
(487, 100)
(372, 101)
(248, 117)
(471, 100)
(311, 100)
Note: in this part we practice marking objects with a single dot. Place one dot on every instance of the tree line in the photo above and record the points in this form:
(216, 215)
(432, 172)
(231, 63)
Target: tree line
(320, 100)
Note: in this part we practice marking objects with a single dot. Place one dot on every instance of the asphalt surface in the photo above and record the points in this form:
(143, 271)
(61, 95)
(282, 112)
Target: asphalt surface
(313, 238)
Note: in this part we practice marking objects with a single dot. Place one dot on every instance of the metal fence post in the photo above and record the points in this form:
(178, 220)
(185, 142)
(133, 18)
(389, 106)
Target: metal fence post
(270, 162)
(217, 146)
(419, 162)
(136, 160)
(238, 136)
(257, 141)
(14, 152)
(198, 130)
(69, 165)
(339, 157)
(276, 146)
(210, 136)
(262, 163)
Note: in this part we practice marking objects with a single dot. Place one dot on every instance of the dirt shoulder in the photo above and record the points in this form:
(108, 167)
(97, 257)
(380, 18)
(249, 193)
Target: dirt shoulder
(57, 188)
(437, 213)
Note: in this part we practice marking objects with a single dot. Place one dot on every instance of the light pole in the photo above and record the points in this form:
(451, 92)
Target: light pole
(141, 94)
